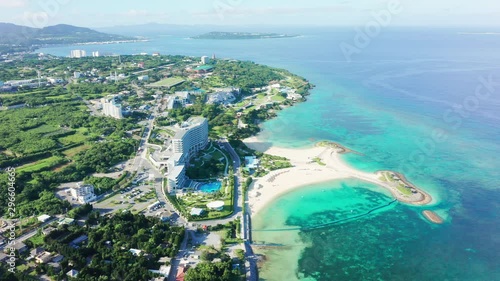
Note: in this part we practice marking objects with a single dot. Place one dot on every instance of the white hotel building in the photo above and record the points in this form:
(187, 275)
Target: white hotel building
(111, 108)
(78, 54)
(83, 193)
(191, 137)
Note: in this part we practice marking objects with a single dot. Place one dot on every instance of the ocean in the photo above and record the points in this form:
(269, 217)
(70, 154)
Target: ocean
(425, 102)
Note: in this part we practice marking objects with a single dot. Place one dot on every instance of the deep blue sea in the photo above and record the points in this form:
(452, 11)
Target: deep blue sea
(425, 102)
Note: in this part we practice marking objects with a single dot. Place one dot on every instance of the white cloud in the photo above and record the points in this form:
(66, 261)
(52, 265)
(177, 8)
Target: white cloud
(144, 13)
(13, 3)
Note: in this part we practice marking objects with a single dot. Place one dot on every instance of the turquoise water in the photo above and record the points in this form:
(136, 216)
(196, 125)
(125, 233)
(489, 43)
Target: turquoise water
(389, 104)
(210, 187)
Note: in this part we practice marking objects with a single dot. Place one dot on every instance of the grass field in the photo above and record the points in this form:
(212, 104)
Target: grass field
(73, 151)
(278, 98)
(167, 82)
(46, 163)
(75, 138)
(44, 129)
(37, 240)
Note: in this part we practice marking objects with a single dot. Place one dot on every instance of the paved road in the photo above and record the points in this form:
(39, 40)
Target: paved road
(32, 233)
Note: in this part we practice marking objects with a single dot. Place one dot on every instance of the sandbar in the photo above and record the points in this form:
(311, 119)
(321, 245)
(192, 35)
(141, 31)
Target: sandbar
(318, 164)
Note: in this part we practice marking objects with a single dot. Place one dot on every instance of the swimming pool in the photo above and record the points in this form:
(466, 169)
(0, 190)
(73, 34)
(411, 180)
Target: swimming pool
(210, 187)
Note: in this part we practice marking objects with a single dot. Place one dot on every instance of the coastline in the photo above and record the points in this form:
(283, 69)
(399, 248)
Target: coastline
(307, 171)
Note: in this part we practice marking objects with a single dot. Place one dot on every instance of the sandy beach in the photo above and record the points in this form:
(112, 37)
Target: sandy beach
(307, 171)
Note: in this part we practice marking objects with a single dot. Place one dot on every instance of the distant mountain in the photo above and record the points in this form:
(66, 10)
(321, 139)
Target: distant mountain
(22, 38)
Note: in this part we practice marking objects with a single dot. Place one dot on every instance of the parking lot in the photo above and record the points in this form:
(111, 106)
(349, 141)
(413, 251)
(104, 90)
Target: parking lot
(135, 198)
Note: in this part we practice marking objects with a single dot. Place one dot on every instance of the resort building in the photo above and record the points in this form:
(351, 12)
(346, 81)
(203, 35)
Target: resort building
(192, 137)
(205, 60)
(176, 176)
(196, 212)
(179, 100)
(83, 193)
(111, 108)
(143, 78)
(202, 69)
(251, 162)
(216, 205)
(224, 96)
(78, 54)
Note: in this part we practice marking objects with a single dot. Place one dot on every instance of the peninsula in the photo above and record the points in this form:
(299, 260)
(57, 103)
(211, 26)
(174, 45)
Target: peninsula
(241, 36)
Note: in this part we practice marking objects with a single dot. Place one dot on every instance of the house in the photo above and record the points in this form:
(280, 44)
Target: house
(66, 221)
(43, 218)
(181, 273)
(48, 230)
(164, 270)
(55, 80)
(293, 96)
(3, 257)
(57, 258)
(72, 273)
(135, 252)
(37, 251)
(164, 260)
(55, 265)
(79, 241)
(20, 247)
(43, 258)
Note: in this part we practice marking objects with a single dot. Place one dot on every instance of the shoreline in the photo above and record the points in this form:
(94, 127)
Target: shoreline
(306, 171)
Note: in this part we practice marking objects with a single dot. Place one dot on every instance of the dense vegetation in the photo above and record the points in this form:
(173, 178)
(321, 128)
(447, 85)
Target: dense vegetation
(207, 271)
(106, 255)
(242, 74)
(41, 139)
(23, 38)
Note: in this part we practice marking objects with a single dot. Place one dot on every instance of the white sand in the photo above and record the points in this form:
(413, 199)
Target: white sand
(306, 172)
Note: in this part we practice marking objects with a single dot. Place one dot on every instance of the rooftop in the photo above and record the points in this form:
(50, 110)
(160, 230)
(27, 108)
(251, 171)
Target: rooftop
(196, 211)
(204, 67)
(189, 124)
(176, 171)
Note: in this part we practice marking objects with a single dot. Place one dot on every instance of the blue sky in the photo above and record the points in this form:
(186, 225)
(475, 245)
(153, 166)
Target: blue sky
(93, 13)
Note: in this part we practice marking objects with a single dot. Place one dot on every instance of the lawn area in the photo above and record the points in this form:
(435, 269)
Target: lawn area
(44, 129)
(168, 82)
(74, 151)
(207, 164)
(278, 98)
(261, 96)
(404, 190)
(44, 164)
(78, 137)
(37, 240)
(200, 200)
